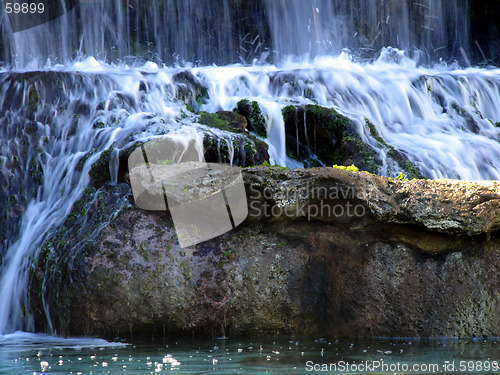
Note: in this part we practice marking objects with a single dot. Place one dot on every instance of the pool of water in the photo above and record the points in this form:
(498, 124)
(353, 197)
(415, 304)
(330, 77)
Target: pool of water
(35, 354)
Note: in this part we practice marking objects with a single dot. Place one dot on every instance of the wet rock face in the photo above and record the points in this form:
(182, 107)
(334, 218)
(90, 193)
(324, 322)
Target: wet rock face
(320, 136)
(418, 258)
(141, 281)
(282, 278)
(314, 129)
(243, 148)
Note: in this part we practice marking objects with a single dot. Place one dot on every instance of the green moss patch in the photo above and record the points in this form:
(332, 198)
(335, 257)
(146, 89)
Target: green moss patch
(224, 120)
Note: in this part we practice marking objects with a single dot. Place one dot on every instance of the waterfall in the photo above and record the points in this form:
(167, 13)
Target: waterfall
(433, 28)
(55, 125)
(103, 76)
(119, 30)
(222, 32)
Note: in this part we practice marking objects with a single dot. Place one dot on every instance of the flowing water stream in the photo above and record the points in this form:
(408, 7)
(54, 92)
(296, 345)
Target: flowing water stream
(104, 80)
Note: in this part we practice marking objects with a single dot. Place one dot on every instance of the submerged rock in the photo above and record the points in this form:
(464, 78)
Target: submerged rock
(323, 251)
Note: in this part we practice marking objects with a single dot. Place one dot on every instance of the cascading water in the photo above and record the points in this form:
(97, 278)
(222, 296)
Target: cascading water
(433, 28)
(443, 118)
(223, 32)
(117, 30)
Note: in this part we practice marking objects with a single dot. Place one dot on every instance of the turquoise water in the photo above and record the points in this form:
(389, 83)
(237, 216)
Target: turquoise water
(259, 356)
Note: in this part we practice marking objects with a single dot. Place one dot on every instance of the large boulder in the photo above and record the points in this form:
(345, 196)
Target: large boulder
(323, 252)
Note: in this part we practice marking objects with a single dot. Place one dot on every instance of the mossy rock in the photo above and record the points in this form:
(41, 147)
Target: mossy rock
(224, 120)
(328, 119)
(326, 138)
(409, 169)
(313, 162)
(34, 99)
(329, 138)
(355, 151)
(190, 90)
(99, 173)
(99, 125)
(374, 132)
(248, 149)
(254, 116)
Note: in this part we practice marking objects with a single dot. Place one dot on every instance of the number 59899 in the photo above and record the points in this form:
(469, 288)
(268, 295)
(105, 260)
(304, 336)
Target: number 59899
(24, 8)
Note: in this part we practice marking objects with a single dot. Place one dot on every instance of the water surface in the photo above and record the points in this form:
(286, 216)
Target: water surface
(281, 355)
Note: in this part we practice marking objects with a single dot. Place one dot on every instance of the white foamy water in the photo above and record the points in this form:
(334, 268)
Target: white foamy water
(29, 341)
(442, 118)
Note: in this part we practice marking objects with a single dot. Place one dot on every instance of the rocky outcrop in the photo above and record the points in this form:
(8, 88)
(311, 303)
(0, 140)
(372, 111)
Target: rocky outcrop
(253, 115)
(320, 136)
(323, 252)
(448, 206)
(239, 147)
